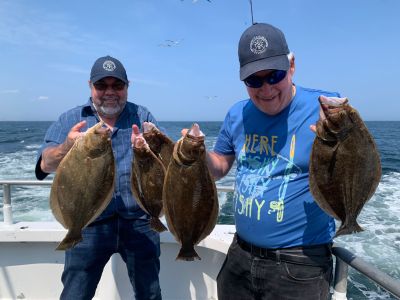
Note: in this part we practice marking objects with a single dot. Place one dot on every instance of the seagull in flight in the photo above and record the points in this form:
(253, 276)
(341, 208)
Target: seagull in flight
(170, 43)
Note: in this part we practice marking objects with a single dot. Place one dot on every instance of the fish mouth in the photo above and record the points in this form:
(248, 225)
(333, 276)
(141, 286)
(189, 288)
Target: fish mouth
(331, 105)
(102, 129)
(148, 126)
(195, 131)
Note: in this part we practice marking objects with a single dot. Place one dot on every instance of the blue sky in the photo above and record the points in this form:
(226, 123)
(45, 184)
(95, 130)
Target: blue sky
(48, 47)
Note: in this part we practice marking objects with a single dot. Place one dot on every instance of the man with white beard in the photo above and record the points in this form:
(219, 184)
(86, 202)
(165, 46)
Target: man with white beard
(123, 227)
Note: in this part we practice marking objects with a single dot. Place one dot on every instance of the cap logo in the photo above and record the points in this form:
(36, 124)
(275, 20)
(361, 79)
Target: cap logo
(258, 44)
(109, 65)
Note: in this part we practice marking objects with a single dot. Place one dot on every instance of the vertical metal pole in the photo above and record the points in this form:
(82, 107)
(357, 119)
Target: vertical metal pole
(340, 281)
(7, 209)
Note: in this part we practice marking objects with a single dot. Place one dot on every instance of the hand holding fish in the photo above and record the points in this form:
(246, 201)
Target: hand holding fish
(52, 156)
(84, 181)
(345, 167)
(189, 194)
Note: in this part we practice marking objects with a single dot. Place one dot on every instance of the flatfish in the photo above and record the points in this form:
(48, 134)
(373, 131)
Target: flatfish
(189, 194)
(161, 145)
(345, 167)
(83, 183)
(147, 181)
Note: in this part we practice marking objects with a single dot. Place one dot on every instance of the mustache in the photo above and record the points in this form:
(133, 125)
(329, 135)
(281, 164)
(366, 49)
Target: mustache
(110, 98)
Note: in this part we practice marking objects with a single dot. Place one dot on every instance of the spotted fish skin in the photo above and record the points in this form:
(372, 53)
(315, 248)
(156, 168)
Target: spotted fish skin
(147, 181)
(83, 183)
(189, 194)
(161, 145)
(345, 167)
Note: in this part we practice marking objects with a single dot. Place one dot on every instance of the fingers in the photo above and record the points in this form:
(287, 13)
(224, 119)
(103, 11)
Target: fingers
(73, 134)
(76, 130)
(184, 131)
(140, 142)
(135, 133)
(313, 128)
(77, 127)
(135, 129)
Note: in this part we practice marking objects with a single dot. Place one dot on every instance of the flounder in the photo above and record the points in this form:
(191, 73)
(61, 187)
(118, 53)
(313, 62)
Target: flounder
(147, 180)
(189, 194)
(345, 167)
(83, 183)
(161, 145)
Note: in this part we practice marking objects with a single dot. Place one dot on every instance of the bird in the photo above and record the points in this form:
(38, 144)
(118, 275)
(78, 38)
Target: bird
(170, 43)
(211, 97)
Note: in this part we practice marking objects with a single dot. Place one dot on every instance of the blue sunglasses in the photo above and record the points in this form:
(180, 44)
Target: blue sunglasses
(256, 82)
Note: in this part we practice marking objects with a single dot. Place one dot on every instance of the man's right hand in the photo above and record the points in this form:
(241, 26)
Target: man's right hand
(73, 134)
(52, 156)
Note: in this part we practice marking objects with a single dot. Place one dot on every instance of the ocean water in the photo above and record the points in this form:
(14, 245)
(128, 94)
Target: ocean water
(379, 244)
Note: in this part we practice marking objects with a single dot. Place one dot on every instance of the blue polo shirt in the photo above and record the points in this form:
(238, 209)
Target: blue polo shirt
(123, 202)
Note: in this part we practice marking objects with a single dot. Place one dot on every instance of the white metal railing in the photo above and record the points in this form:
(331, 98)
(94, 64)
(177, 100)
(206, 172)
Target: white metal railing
(7, 203)
(344, 257)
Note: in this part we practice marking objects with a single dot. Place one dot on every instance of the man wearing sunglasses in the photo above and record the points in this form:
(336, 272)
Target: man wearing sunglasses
(123, 227)
(282, 245)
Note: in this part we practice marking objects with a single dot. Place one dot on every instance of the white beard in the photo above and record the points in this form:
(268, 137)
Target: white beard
(109, 111)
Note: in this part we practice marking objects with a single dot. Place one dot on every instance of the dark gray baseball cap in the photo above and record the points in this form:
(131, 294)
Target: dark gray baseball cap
(108, 66)
(262, 47)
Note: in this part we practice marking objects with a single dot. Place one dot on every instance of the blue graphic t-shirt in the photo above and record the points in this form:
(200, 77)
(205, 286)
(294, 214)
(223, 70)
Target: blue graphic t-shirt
(272, 201)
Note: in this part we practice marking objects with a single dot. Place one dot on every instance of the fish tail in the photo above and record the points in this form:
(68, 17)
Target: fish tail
(157, 225)
(188, 254)
(349, 229)
(70, 240)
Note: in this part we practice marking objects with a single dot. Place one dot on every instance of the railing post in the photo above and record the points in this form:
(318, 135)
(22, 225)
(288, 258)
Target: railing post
(340, 281)
(7, 208)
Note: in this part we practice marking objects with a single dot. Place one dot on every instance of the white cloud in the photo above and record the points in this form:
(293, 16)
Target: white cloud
(9, 91)
(43, 98)
(26, 26)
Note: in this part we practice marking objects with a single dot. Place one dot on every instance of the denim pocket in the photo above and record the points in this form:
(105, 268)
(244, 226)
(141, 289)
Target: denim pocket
(303, 272)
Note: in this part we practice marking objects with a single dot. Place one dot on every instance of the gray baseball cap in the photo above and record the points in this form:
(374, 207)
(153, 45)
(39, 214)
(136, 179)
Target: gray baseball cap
(262, 47)
(108, 66)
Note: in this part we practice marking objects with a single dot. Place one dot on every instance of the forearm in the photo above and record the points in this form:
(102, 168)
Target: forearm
(219, 165)
(52, 156)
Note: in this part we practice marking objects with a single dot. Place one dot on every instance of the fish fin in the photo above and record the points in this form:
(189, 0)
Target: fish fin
(348, 229)
(70, 240)
(187, 254)
(157, 225)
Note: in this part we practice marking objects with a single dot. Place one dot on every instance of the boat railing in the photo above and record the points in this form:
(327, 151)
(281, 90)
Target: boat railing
(344, 257)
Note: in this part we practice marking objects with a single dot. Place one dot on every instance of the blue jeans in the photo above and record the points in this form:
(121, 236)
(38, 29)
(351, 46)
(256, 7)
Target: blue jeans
(247, 276)
(134, 240)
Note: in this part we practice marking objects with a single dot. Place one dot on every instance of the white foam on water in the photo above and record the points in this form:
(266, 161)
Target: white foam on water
(379, 244)
(18, 165)
(33, 147)
(33, 215)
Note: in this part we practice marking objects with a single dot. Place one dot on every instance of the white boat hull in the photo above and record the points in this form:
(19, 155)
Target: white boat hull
(31, 268)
